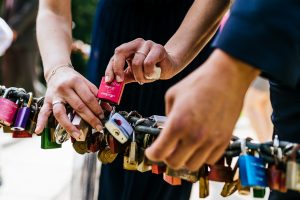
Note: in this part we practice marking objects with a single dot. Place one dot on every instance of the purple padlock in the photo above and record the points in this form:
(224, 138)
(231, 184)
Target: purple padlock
(23, 114)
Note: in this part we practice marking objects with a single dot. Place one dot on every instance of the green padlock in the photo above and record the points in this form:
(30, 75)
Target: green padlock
(259, 192)
(48, 138)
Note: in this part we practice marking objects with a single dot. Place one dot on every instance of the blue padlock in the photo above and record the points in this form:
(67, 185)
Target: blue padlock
(252, 171)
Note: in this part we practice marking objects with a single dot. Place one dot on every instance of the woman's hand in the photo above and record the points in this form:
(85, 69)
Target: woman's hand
(67, 86)
(146, 60)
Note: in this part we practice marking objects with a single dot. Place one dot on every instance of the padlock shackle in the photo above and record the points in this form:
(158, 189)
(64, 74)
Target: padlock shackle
(7, 91)
(30, 99)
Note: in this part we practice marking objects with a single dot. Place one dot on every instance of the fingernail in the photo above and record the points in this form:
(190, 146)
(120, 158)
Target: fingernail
(99, 128)
(107, 79)
(101, 116)
(37, 130)
(76, 134)
(118, 78)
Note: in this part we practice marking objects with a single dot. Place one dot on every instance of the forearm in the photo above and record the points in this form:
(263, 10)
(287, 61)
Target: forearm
(54, 34)
(197, 28)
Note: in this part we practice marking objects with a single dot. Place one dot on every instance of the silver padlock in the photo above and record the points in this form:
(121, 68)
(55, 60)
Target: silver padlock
(119, 128)
(83, 127)
(159, 121)
(61, 134)
(293, 175)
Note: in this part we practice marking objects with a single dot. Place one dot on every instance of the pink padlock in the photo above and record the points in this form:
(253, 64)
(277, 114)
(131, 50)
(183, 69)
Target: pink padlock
(110, 92)
(8, 109)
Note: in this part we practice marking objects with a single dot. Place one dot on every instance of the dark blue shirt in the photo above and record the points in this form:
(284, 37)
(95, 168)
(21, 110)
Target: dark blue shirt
(266, 34)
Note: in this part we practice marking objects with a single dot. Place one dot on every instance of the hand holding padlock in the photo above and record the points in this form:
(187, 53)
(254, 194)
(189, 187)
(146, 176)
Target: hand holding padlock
(69, 87)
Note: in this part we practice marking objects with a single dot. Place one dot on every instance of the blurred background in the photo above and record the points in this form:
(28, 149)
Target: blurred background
(29, 173)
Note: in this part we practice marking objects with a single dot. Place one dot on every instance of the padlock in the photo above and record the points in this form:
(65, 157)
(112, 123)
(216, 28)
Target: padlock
(276, 173)
(129, 166)
(158, 168)
(8, 107)
(220, 173)
(61, 134)
(203, 182)
(143, 163)
(110, 92)
(273, 177)
(23, 114)
(243, 190)
(80, 147)
(48, 140)
(252, 170)
(259, 192)
(31, 125)
(118, 127)
(231, 187)
(82, 126)
(94, 142)
(2, 89)
(159, 121)
(133, 151)
(293, 175)
(171, 180)
(7, 129)
(106, 156)
(183, 174)
(113, 144)
(293, 169)
(21, 134)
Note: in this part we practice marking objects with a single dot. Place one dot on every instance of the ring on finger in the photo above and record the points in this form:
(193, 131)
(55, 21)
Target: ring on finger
(140, 52)
(57, 102)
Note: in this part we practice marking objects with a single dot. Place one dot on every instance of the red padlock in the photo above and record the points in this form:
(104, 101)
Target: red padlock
(220, 173)
(157, 169)
(110, 92)
(8, 108)
(172, 180)
(21, 134)
(113, 144)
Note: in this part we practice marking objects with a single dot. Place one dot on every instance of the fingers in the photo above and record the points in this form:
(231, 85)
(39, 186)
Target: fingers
(121, 54)
(59, 112)
(183, 151)
(88, 98)
(200, 156)
(43, 116)
(156, 55)
(169, 99)
(166, 142)
(81, 108)
(128, 75)
(109, 72)
(143, 56)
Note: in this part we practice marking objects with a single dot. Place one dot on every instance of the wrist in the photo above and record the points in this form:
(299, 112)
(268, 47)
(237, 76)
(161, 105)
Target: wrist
(52, 70)
(239, 73)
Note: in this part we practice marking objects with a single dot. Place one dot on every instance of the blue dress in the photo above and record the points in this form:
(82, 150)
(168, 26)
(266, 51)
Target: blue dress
(117, 22)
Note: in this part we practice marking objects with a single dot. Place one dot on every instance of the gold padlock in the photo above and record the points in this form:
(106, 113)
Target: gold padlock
(106, 156)
(80, 147)
(127, 165)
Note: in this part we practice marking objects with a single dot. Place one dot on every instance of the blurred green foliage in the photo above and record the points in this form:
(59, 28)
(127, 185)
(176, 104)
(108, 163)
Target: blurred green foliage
(82, 13)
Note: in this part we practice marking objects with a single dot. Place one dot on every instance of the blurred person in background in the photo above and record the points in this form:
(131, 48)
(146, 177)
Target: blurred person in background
(19, 63)
(258, 108)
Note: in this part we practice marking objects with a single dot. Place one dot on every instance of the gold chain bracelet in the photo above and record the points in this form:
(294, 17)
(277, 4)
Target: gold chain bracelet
(56, 68)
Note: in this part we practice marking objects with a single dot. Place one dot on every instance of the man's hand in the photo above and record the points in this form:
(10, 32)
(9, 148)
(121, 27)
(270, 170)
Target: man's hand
(68, 86)
(202, 111)
(142, 58)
